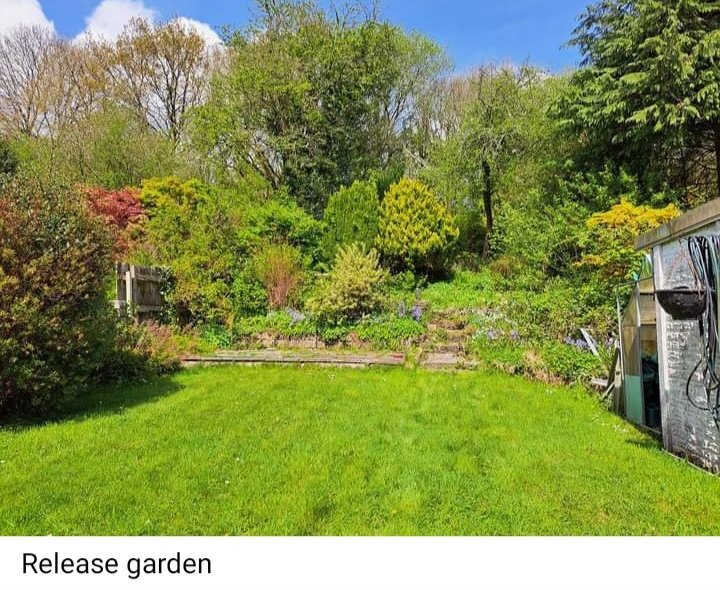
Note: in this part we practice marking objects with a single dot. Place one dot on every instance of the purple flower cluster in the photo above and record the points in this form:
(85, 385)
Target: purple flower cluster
(579, 343)
(416, 312)
(493, 334)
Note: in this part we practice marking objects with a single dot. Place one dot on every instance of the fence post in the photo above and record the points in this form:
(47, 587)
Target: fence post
(130, 285)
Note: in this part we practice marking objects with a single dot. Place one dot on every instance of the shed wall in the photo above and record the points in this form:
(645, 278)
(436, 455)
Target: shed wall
(687, 431)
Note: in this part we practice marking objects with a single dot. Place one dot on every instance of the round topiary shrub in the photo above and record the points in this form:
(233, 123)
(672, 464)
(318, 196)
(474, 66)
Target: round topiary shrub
(351, 217)
(417, 231)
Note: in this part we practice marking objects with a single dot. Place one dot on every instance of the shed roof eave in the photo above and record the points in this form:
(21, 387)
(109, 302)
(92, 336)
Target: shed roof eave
(681, 226)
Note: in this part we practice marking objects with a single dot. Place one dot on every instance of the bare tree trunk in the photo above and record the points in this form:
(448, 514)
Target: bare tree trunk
(488, 205)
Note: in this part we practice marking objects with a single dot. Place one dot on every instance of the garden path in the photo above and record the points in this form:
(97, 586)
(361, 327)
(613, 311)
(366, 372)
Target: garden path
(294, 357)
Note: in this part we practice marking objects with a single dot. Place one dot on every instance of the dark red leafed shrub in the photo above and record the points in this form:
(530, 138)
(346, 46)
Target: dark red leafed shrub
(55, 256)
(120, 208)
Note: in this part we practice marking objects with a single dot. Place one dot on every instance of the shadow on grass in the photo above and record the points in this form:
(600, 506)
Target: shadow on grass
(100, 400)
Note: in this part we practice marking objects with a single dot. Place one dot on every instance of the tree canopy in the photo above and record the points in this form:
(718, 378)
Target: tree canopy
(316, 101)
(649, 88)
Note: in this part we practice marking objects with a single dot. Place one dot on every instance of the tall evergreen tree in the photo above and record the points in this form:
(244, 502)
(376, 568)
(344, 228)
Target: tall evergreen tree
(651, 82)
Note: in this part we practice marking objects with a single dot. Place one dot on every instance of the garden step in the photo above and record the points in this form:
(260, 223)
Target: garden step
(446, 361)
(445, 324)
(457, 335)
(449, 332)
(443, 347)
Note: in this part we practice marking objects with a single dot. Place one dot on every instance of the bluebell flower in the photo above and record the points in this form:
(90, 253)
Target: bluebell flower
(417, 313)
(581, 344)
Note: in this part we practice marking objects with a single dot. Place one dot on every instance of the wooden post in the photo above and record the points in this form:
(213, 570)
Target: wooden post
(130, 285)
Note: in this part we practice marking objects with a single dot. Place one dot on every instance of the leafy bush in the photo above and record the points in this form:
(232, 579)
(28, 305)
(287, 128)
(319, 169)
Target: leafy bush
(609, 247)
(289, 323)
(406, 281)
(501, 354)
(506, 266)
(352, 289)
(570, 363)
(279, 267)
(248, 296)
(193, 230)
(351, 216)
(466, 290)
(549, 361)
(539, 238)
(403, 291)
(207, 237)
(216, 336)
(390, 332)
(553, 312)
(157, 193)
(120, 207)
(281, 219)
(55, 259)
(416, 229)
(144, 350)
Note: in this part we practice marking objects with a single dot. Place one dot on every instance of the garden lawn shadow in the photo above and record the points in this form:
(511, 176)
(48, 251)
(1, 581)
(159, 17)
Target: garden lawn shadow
(110, 399)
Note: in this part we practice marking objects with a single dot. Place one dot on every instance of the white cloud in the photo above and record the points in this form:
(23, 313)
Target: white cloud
(16, 13)
(110, 17)
(202, 29)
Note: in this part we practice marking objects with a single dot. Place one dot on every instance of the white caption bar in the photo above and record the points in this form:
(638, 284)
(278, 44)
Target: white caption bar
(359, 563)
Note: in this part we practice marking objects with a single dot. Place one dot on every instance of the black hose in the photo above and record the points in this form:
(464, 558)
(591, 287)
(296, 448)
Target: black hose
(705, 256)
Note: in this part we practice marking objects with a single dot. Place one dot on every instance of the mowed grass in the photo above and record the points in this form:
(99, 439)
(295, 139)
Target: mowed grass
(293, 451)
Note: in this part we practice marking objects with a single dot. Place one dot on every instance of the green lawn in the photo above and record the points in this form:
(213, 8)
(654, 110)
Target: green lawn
(290, 451)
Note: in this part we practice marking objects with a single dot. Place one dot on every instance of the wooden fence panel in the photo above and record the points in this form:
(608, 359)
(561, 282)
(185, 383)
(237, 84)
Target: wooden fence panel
(139, 288)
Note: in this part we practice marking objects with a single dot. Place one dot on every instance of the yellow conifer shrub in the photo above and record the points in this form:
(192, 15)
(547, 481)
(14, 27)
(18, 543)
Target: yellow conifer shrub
(609, 243)
(416, 229)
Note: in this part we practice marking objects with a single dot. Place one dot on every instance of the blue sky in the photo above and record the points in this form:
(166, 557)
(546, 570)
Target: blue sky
(473, 31)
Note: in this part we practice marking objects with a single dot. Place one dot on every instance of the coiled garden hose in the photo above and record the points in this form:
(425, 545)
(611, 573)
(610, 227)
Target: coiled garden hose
(704, 256)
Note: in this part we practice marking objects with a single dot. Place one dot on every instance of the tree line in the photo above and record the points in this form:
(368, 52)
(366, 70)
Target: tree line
(315, 170)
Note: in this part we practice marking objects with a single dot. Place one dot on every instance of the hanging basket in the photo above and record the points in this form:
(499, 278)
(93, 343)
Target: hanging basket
(683, 303)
